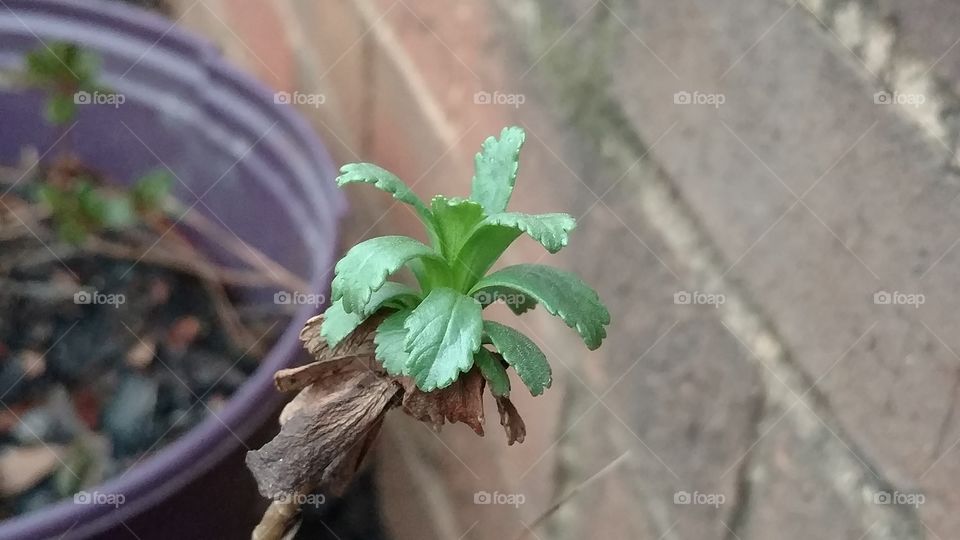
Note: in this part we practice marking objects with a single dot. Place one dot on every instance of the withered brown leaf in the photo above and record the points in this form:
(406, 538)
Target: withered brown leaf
(511, 421)
(460, 402)
(321, 437)
(358, 343)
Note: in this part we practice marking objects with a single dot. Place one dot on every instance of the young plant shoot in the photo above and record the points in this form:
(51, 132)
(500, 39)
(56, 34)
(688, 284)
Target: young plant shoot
(427, 349)
(79, 204)
(62, 70)
(435, 333)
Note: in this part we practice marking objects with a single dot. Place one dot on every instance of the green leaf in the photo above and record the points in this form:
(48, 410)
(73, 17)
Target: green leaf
(390, 339)
(496, 170)
(443, 332)
(60, 62)
(116, 213)
(150, 192)
(493, 371)
(43, 63)
(60, 70)
(381, 178)
(523, 354)
(366, 266)
(431, 273)
(52, 197)
(491, 237)
(551, 230)
(88, 198)
(454, 220)
(71, 231)
(60, 109)
(101, 210)
(562, 294)
(65, 211)
(338, 323)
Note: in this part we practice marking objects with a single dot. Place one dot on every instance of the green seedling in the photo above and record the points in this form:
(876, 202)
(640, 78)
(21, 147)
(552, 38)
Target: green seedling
(62, 70)
(81, 209)
(435, 332)
(68, 74)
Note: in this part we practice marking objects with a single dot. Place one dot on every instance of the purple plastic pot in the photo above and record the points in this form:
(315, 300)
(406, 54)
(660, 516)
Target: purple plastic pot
(265, 176)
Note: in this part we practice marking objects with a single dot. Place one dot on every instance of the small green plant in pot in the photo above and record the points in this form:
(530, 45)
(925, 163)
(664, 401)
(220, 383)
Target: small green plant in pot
(80, 206)
(426, 348)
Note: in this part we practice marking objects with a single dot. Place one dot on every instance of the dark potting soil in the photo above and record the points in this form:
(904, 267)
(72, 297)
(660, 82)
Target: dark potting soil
(104, 359)
(92, 382)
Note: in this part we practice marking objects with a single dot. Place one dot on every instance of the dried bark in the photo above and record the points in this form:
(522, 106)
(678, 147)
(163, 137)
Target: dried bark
(328, 428)
(321, 437)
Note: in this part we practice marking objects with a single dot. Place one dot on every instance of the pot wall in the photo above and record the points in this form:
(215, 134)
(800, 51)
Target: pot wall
(247, 163)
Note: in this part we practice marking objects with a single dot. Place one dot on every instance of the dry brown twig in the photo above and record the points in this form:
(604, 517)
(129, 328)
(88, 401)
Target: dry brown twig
(610, 467)
(327, 429)
(168, 250)
(252, 256)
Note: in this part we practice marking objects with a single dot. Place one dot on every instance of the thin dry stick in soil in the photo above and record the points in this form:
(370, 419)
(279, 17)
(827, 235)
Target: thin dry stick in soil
(239, 248)
(169, 250)
(268, 271)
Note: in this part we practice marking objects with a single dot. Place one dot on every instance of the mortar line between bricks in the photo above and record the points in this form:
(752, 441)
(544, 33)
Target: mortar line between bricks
(683, 234)
(743, 488)
(893, 70)
(394, 54)
(783, 380)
